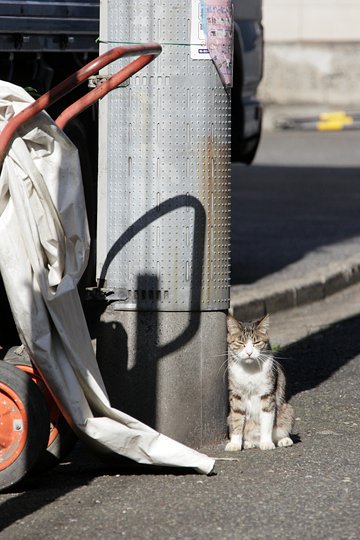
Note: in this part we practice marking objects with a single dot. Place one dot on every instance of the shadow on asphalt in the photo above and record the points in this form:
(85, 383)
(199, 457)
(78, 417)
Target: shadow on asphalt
(79, 470)
(39, 491)
(280, 214)
(314, 359)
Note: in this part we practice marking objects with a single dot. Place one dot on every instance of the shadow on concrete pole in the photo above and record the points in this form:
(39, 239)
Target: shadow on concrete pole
(164, 227)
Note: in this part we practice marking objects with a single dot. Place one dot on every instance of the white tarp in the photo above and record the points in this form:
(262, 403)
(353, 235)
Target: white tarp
(44, 243)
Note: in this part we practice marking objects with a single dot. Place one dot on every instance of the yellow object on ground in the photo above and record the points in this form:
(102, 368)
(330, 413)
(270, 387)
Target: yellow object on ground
(334, 121)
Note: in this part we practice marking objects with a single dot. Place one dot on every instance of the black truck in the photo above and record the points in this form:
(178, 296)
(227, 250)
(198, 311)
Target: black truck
(40, 40)
(41, 43)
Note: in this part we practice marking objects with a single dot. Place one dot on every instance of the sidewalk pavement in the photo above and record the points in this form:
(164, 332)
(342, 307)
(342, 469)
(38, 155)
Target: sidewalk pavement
(282, 290)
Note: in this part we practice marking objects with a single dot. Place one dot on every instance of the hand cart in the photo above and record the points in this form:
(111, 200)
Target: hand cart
(33, 433)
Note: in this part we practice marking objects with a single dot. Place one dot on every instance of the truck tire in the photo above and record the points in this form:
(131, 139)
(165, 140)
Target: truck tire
(24, 424)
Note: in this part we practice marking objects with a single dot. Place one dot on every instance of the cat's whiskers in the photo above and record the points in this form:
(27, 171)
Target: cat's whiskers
(277, 356)
(259, 362)
(225, 372)
(219, 355)
(235, 358)
(225, 363)
(264, 357)
(222, 365)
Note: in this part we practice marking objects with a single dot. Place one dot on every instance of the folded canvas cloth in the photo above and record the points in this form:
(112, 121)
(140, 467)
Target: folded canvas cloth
(44, 245)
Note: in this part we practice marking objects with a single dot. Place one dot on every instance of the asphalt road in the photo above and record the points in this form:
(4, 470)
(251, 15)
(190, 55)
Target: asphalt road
(311, 490)
(298, 202)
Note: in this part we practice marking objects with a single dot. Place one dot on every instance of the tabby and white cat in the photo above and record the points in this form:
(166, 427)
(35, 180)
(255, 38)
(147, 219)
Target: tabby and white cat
(259, 416)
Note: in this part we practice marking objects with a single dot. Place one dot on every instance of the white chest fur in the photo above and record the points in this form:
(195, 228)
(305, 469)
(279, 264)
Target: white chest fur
(250, 384)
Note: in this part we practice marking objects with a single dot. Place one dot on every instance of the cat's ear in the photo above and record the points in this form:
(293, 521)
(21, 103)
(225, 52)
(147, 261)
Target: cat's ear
(233, 327)
(263, 324)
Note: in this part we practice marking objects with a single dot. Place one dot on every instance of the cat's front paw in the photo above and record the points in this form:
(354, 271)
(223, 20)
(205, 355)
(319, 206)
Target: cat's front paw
(232, 446)
(286, 441)
(267, 445)
(248, 445)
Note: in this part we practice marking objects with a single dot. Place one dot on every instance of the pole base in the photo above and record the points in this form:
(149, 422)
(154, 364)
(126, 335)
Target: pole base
(167, 369)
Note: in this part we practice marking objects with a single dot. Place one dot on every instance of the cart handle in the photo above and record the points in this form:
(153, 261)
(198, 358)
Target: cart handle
(148, 53)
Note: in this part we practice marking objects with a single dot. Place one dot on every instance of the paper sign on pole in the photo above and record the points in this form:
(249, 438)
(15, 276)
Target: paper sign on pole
(212, 34)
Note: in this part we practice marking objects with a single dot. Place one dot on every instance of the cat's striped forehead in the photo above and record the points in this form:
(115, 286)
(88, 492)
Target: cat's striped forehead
(254, 330)
(249, 330)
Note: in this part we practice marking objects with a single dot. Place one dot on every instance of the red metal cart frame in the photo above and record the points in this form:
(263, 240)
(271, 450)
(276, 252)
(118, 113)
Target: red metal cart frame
(15, 443)
(146, 53)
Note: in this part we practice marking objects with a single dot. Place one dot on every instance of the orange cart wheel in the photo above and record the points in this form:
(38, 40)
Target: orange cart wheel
(24, 424)
(62, 439)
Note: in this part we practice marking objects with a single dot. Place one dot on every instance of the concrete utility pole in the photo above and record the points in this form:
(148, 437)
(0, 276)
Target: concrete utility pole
(164, 225)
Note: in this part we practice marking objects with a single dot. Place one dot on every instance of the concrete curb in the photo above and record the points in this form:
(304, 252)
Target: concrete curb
(249, 302)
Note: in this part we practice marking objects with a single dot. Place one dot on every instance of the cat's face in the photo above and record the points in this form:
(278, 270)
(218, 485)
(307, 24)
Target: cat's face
(247, 340)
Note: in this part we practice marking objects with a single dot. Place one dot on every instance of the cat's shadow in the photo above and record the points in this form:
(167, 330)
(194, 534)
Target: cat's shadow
(315, 358)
